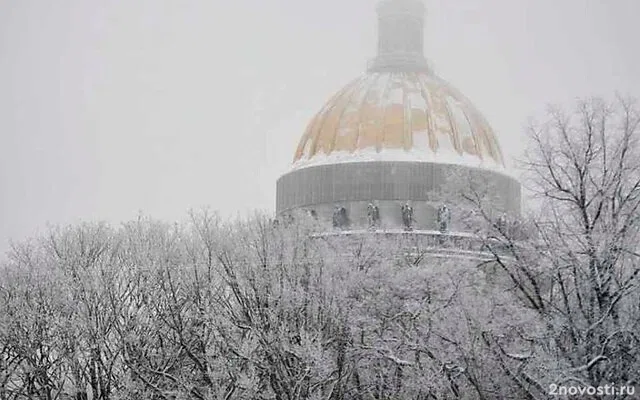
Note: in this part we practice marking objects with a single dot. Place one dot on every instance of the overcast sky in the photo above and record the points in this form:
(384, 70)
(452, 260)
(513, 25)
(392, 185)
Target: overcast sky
(112, 107)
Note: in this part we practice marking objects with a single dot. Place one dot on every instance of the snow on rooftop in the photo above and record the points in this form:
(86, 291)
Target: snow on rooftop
(401, 155)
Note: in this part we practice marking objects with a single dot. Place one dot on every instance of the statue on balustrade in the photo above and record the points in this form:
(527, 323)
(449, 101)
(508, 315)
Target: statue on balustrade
(340, 219)
(373, 215)
(407, 216)
(503, 224)
(444, 218)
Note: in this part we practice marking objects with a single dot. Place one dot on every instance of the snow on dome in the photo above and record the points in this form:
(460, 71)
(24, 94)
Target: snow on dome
(399, 116)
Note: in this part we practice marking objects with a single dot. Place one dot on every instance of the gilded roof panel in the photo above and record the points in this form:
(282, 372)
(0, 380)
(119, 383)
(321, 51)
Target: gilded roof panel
(399, 110)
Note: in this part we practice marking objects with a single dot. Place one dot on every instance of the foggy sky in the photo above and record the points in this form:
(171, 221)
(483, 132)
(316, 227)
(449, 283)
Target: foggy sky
(109, 108)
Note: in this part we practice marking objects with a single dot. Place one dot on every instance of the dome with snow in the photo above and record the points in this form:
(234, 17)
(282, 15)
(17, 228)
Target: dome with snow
(405, 116)
(381, 152)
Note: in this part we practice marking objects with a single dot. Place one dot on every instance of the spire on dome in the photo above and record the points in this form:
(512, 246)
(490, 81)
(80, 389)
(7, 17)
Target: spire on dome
(400, 37)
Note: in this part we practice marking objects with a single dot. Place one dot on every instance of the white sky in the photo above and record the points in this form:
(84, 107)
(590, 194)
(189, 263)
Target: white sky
(112, 107)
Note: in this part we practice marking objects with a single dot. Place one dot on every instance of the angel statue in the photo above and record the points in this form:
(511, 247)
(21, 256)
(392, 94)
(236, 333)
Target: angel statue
(407, 216)
(444, 218)
(340, 219)
(373, 215)
(502, 223)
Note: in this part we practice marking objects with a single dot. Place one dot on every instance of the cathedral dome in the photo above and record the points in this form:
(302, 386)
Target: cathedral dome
(380, 154)
(399, 116)
(399, 110)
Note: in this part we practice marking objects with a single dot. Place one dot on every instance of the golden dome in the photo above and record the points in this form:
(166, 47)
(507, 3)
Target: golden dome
(414, 115)
(399, 110)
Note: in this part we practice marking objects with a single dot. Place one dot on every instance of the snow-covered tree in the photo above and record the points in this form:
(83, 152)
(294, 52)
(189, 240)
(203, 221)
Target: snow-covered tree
(577, 264)
(253, 309)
